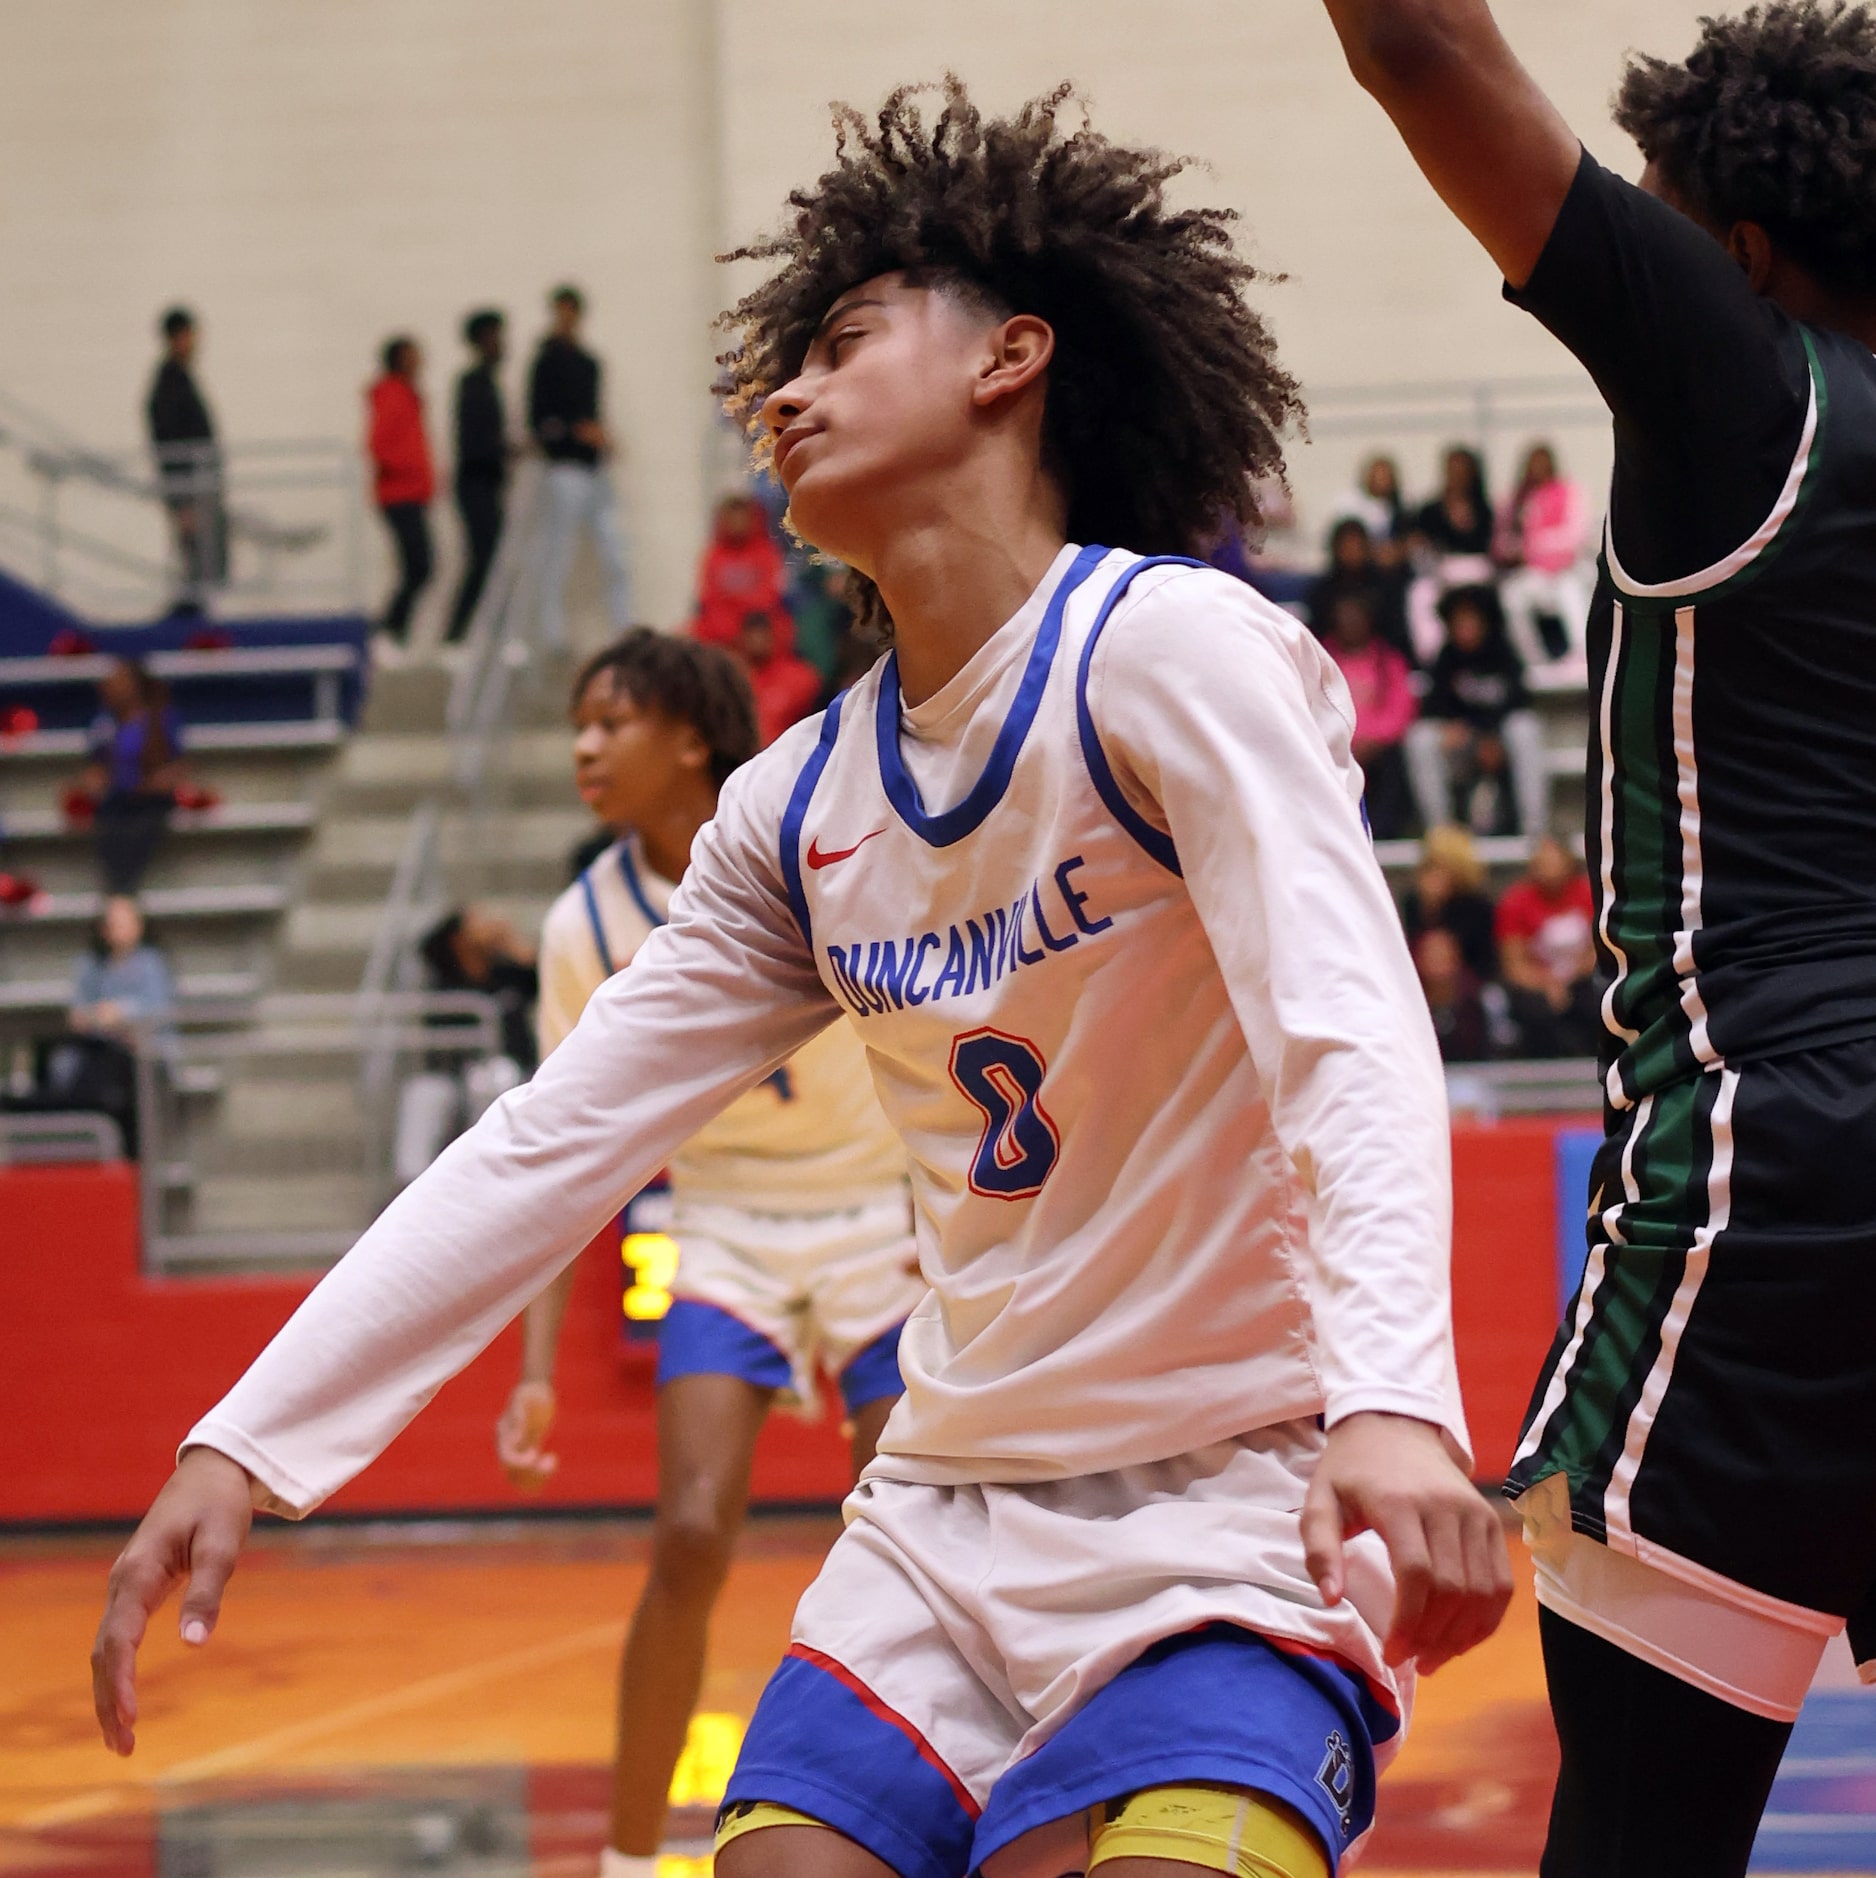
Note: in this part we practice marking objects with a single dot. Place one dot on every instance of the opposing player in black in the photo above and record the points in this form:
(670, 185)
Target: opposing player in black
(1698, 1473)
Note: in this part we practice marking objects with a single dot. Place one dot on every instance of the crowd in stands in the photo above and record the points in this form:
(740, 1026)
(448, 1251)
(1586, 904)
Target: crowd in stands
(1443, 616)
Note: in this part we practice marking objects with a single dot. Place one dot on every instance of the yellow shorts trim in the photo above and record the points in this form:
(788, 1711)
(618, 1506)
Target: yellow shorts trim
(1246, 1835)
(742, 1816)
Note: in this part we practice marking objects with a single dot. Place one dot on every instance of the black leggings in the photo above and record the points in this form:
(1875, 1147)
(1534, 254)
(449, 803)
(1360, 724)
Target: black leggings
(409, 523)
(1659, 1779)
(129, 831)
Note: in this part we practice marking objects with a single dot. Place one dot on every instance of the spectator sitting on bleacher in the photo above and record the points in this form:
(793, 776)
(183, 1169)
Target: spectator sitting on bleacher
(742, 572)
(1545, 931)
(1459, 520)
(1448, 895)
(1478, 738)
(1382, 689)
(1355, 567)
(134, 771)
(1375, 502)
(477, 951)
(787, 688)
(1470, 1019)
(122, 983)
(122, 995)
(1541, 538)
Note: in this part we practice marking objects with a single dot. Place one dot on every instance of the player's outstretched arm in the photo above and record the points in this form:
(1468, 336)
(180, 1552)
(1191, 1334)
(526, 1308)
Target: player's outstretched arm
(1495, 148)
(194, 1531)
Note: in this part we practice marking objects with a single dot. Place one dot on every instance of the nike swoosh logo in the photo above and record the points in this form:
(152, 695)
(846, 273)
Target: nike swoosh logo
(818, 860)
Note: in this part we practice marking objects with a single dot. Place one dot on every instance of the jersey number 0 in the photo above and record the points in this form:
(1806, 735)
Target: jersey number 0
(1002, 1078)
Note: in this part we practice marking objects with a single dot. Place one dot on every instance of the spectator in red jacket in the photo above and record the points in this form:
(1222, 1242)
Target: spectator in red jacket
(787, 688)
(404, 475)
(742, 573)
(1546, 941)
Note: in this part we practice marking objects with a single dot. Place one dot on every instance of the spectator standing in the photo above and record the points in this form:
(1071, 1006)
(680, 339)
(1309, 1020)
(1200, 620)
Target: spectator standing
(1546, 941)
(1542, 536)
(1448, 894)
(1381, 686)
(469, 950)
(1355, 567)
(742, 572)
(1478, 737)
(405, 477)
(564, 420)
(188, 464)
(134, 768)
(787, 688)
(481, 460)
(1470, 1019)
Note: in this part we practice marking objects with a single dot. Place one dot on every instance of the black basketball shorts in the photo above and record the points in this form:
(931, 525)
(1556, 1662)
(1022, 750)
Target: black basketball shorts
(1697, 1472)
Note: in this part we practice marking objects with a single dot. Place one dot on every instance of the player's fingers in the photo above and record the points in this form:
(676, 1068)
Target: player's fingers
(1478, 1602)
(1322, 1538)
(1401, 1531)
(137, 1586)
(212, 1557)
(1446, 1617)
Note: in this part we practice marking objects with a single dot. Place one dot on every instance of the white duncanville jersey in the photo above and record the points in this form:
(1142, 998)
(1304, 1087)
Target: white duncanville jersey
(1106, 917)
(810, 1138)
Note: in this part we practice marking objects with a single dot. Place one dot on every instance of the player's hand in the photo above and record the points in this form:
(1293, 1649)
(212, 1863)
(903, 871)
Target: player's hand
(1392, 1475)
(195, 1529)
(521, 1436)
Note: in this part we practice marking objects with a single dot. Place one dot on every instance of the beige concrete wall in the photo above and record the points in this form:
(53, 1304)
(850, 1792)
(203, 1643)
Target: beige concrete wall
(313, 174)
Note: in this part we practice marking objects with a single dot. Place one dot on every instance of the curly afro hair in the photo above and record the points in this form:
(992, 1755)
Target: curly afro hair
(1164, 397)
(1773, 120)
(695, 684)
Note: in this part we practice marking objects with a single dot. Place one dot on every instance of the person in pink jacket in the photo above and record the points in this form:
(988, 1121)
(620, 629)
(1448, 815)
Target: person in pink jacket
(1542, 535)
(1382, 689)
(403, 475)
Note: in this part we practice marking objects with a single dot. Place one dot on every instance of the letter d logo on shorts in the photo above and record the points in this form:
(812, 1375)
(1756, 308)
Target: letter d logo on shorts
(1336, 1777)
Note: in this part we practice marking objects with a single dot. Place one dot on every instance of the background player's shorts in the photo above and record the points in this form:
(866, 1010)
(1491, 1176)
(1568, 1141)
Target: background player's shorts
(1698, 1471)
(810, 1291)
(960, 1672)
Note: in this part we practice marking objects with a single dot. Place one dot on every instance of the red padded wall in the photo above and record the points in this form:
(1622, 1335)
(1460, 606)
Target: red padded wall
(102, 1369)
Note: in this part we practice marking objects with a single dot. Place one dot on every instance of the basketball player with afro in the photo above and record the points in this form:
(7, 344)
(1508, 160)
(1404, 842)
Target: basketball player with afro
(1175, 1501)
(1698, 1470)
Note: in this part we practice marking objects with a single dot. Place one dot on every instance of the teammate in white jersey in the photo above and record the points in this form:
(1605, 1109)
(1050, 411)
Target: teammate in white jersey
(1174, 1500)
(790, 1210)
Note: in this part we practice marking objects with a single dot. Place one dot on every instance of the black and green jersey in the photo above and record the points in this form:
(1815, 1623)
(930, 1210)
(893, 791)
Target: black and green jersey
(1732, 825)
(1709, 1407)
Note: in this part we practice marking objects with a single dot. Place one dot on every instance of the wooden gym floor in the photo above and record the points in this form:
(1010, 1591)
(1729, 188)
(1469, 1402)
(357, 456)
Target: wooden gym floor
(440, 1697)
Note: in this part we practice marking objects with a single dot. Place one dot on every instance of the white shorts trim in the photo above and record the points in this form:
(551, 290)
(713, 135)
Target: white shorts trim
(1757, 1652)
(819, 1286)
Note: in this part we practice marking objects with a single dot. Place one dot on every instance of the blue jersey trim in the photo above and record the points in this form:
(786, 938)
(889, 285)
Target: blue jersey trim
(598, 925)
(953, 824)
(1158, 845)
(635, 887)
(797, 812)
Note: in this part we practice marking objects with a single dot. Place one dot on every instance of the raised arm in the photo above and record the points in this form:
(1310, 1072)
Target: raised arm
(713, 1002)
(1495, 148)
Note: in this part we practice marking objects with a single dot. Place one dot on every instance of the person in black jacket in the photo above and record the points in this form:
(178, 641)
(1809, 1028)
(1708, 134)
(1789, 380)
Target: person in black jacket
(481, 460)
(1477, 735)
(563, 417)
(188, 464)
